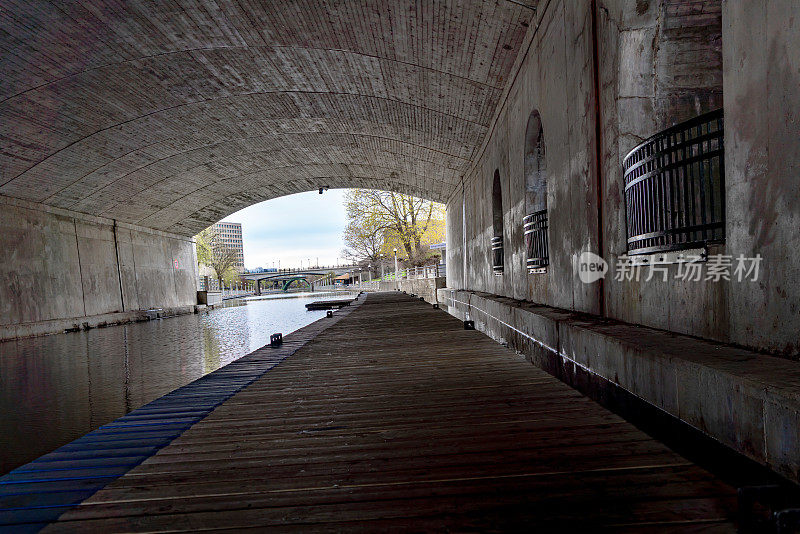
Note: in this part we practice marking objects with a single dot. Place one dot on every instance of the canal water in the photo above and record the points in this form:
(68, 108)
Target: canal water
(54, 389)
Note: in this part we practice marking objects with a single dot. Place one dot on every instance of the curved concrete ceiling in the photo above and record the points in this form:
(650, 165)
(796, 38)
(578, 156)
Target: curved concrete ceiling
(174, 114)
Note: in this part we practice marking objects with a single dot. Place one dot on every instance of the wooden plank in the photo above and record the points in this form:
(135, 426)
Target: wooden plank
(397, 418)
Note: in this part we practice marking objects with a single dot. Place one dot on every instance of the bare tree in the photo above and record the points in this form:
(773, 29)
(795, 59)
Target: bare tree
(213, 252)
(364, 241)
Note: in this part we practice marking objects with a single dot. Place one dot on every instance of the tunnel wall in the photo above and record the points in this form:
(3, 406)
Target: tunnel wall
(658, 63)
(553, 78)
(60, 267)
(762, 156)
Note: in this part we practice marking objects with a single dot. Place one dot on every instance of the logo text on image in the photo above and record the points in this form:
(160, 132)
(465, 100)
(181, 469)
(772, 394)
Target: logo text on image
(591, 267)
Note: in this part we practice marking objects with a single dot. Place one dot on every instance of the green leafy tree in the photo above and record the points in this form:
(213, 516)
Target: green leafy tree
(211, 251)
(203, 246)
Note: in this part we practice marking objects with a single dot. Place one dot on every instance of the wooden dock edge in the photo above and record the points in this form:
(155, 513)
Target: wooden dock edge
(37, 493)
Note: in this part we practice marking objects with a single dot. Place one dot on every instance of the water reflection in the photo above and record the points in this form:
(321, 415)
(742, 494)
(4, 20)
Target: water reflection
(54, 389)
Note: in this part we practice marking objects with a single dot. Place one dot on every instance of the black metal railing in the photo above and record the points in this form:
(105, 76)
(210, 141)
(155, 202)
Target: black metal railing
(535, 226)
(497, 255)
(675, 187)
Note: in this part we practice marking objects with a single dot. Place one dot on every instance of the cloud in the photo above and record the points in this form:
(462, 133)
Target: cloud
(293, 228)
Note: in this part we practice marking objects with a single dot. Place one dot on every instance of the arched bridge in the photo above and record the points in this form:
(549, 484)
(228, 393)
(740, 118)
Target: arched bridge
(286, 277)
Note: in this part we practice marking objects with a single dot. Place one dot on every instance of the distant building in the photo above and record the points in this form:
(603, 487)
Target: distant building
(229, 234)
(342, 280)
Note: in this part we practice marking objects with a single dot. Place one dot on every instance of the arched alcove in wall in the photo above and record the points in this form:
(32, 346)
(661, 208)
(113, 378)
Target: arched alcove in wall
(535, 222)
(497, 224)
(535, 165)
(497, 206)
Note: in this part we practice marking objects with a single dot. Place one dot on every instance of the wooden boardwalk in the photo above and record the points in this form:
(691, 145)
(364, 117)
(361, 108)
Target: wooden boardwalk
(396, 418)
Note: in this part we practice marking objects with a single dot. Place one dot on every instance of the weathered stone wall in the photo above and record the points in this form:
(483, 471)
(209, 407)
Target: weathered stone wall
(762, 158)
(661, 65)
(554, 77)
(58, 265)
(659, 62)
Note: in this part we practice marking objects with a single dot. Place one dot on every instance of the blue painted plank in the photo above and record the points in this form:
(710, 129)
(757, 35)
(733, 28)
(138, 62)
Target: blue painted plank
(37, 493)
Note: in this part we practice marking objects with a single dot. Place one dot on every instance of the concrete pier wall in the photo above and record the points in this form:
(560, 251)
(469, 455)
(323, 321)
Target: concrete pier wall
(60, 269)
(426, 288)
(745, 400)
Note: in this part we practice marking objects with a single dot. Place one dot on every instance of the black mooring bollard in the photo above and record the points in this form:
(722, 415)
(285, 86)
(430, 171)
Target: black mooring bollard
(276, 339)
(435, 306)
(469, 325)
(329, 314)
(422, 298)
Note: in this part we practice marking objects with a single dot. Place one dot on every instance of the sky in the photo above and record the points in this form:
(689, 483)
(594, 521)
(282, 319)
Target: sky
(293, 228)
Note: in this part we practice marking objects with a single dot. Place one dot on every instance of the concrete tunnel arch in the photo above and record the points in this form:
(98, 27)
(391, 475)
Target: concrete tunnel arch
(128, 130)
(173, 123)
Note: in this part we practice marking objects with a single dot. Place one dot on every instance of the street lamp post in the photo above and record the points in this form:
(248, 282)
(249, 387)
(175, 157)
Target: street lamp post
(396, 281)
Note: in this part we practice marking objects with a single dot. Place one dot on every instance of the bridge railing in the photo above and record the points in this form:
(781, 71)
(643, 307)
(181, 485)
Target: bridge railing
(207, 283)
(417, 273)
(289, 270)
(675, 187)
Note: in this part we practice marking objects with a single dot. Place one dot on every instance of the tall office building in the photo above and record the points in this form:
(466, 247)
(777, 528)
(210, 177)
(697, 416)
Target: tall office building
(229, 234)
